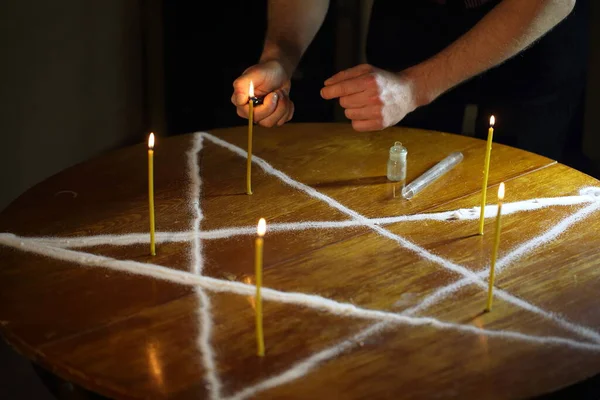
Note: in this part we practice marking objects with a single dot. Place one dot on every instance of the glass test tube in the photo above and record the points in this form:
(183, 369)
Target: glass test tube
(432, 174)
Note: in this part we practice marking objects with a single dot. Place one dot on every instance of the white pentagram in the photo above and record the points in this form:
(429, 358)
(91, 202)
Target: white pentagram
(62, 248)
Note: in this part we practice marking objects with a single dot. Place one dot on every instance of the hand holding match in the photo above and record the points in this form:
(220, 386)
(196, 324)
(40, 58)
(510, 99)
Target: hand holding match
(272, 84)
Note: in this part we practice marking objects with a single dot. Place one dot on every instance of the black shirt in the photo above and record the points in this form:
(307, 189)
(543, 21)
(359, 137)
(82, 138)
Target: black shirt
(403, 33)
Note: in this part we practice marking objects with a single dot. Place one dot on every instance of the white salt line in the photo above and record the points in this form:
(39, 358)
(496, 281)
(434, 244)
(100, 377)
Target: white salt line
(466, 214)
(444, 263)
(208, 356)
(300, 299)
(305, 366)
(113, 240)
(591, 191)
(194, 195)
(474, 278)
(204, 311)
(548, 236)
(291, 182)
(165, 237)
(505, 261)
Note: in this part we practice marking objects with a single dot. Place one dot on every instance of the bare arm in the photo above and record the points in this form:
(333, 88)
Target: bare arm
(375, 99)
(505, 31)
(292, 25)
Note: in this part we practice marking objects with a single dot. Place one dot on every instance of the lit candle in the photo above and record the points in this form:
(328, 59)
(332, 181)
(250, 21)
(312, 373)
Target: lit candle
(260, 341)
(250, 125)
(486, 170)
(151, 191)
(495, 250)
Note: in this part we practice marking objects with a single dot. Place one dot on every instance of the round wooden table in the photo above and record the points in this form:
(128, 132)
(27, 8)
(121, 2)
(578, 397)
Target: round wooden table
(365, 294)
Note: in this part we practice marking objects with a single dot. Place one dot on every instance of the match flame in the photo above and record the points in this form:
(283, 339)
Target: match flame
(251, 90)
(262, 227)
(492, 120)
(501, 192)
(151, 141)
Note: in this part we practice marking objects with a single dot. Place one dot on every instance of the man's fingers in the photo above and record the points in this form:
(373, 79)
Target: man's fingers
(241, 86)
(349, 73)
(280, 112)
(369, 112)
(367, 125)
(262, 111)
(239, 98)
(288, 115)
(242, 111)
(348, 87)
(362, 99)
(267, 108)
(240, 89)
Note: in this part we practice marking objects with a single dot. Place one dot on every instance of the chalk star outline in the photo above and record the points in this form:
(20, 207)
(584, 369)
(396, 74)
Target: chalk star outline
(60, 248)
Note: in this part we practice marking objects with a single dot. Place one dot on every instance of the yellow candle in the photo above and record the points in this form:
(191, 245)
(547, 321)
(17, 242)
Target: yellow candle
(486, 170)
(260, 341)
(250, 124)
(151, 191)
(495, 250)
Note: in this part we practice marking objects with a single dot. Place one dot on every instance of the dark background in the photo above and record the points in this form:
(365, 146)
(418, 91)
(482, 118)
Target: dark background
(80, 78)
(203, 59)
(85, 77)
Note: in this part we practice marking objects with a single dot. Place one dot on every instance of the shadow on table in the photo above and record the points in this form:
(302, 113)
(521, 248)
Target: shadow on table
(60, 389)
(64, 390)
(586, 390)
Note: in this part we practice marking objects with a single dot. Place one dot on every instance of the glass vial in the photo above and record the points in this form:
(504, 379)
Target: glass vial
(396, 166)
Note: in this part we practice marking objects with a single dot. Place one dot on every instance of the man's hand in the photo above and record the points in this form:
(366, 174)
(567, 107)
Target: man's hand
(373, 98)
(271, 81)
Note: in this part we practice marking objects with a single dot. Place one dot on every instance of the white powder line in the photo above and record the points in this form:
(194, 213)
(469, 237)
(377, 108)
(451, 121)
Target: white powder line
(448, 265)
(302, 368)
(305, 366)
(224, 233)
(285, 178)
(506, 261)
(197, 263)
(592, 192)
(499, 293)
(208, 357)
(300, 299)
(194, 196)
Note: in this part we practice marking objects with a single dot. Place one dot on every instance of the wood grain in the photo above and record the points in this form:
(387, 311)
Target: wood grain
(131, 336)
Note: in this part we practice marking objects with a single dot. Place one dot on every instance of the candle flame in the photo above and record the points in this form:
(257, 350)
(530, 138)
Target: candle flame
(492, 120)
(501, 191)
(262, 227)
(151, 141)
(251, 90)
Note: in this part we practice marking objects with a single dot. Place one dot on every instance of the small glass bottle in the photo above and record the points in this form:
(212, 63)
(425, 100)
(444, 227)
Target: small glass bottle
(396, 165)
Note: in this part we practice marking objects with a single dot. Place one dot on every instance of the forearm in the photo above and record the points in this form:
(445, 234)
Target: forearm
(505, 31)
(291, 27)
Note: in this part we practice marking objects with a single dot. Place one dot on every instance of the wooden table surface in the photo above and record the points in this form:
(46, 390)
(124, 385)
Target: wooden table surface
(356, 307)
